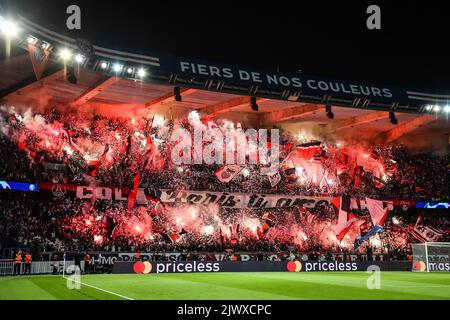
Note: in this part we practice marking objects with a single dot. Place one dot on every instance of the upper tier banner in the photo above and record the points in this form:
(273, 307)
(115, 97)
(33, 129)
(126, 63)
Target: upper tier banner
(223, 199)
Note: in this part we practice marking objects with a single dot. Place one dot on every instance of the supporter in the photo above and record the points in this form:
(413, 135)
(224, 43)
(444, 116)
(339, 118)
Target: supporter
(46, 224)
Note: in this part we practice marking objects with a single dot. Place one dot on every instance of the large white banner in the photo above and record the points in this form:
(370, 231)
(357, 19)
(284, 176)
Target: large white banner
(229, 200)
(224, 199)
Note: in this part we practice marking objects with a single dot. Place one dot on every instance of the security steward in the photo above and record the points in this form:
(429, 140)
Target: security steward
(87, 263)
(28, 259)
(17, 262)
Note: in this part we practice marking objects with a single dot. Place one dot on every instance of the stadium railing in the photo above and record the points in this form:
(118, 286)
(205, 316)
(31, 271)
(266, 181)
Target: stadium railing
(38, 267)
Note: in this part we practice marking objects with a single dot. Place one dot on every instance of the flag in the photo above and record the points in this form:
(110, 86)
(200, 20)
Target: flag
(152, 195)
(228, 173)
(221, 236)
(378, 211)
(358, 171)
(269, 222)
(134, 191)
(360, 239)
(173, 236)
(39, 58)
(427, 234)
(274, 179)
(419, 220)
(345, 220)
(234, 233)
(363, 229)
(93, 167)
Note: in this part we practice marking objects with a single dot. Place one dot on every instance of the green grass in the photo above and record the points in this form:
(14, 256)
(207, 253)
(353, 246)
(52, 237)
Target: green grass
(235, 286)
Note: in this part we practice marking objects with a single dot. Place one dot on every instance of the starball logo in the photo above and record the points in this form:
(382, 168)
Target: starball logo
(187, 267)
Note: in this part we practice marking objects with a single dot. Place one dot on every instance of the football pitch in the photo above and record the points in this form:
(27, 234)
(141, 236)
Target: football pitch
(230, 286)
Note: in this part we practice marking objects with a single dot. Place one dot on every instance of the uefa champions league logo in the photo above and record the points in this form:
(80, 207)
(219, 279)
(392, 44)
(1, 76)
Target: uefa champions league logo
(5, 185)
(441, 205)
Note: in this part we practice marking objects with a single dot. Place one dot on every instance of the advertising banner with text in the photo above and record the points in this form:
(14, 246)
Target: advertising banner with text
(146, 267)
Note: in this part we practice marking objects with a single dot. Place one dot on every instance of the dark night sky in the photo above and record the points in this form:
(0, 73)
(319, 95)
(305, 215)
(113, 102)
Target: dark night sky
(328, 38)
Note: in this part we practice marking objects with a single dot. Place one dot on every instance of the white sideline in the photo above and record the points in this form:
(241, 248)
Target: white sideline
(100, 289)
(430, 286)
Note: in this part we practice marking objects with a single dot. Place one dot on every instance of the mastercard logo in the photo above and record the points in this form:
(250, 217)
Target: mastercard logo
(419, 266)
(142, 267)
(294, 266)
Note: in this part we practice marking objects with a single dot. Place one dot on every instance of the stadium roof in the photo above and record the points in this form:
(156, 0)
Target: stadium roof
(114, 82)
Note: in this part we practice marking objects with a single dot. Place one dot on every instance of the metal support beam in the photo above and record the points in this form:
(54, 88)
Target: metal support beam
(291, 113)
(355, 121)
(94, 90)
(227, 106)
(170, 97)
(405, 128)
(31, 84)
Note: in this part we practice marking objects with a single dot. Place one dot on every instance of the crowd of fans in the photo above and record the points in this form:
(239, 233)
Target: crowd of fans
(47, 148)
(69, 225)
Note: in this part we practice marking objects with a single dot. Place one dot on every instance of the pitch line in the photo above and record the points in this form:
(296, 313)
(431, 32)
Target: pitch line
(438, 286)
(100, 289)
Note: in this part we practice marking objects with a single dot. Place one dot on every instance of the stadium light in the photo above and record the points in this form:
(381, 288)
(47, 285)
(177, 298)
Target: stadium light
(45, 45)
(437, 108)
(253, 104)
(65, 54)
(142, 73)
(129, 70)
(393, 118)
(447, 109)
(117, 67)
(71, 77)
(9, 28)
(429, 107)
(31, 40)
(79, 58)
(177, 94)
(329, 112)
(104, 65)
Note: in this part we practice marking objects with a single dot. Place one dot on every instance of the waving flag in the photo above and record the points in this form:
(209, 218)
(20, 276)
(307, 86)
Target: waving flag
(134, 191)
(173, 236)
(268, 223)
(378, 211)
(360, 239)
(274, 179)
(345, 220)
(234, 233)
(228, 173)
(39, 58)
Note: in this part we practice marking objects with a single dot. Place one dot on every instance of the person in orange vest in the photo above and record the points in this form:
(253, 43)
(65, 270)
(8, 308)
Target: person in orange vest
(28, 259)
(137, 256)
(87, 263)
(17, 262)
